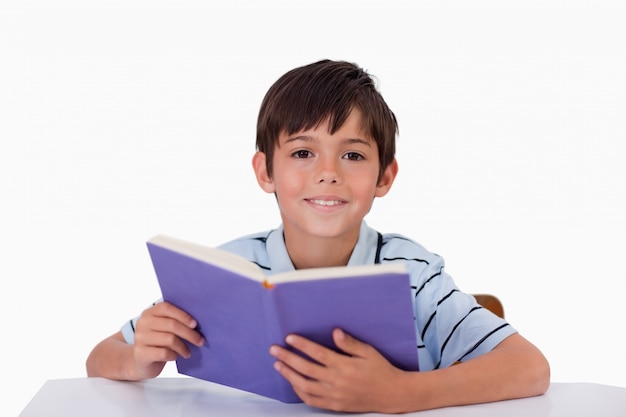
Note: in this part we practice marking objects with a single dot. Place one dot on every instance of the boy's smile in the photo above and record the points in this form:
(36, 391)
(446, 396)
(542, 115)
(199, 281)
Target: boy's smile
(323, 202)
(325, 184)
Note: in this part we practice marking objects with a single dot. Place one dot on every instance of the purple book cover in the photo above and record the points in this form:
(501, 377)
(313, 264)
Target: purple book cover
(241, 318)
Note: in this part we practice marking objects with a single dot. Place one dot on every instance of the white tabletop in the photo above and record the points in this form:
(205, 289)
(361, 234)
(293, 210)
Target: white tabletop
(190, 397)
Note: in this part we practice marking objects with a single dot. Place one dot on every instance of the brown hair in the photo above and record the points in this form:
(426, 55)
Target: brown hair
(325, 90)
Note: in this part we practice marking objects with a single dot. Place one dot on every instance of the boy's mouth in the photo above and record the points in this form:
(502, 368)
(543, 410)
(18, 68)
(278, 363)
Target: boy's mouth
(325, 202)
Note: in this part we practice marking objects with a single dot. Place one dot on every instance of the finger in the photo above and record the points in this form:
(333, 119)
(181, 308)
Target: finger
(302, 384)
(165, 309)
(295, 361)
(318, 353)
(310, 369)
(175, 328)
(151, 354)
(165, 341)
(150, 361)
(350, 345)
(165, 317)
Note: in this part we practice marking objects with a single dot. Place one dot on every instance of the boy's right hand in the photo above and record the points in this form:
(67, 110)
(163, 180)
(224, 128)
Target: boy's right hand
(159, 335)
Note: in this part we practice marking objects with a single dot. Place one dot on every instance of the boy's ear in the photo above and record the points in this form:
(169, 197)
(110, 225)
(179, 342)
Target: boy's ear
(260, 170)
(389, 175)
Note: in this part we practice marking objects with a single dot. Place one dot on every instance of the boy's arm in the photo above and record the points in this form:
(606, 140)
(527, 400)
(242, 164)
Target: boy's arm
(363, 381)
(159, 338)
(113, 358)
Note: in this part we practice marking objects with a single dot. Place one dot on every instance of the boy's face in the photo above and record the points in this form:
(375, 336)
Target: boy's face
(325, 184)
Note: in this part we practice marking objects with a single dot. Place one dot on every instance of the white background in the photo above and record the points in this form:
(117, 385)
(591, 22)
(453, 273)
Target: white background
(123, 119)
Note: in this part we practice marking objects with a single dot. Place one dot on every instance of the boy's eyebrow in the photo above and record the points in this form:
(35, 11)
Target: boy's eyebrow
(346, 141)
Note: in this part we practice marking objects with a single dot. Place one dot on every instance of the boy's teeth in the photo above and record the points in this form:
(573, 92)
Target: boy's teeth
(326, 202)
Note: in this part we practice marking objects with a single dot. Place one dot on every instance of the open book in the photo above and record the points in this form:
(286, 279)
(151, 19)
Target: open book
(241, 312)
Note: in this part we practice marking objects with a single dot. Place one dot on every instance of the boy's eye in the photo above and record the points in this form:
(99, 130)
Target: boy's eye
(302, 153)
(353, 156)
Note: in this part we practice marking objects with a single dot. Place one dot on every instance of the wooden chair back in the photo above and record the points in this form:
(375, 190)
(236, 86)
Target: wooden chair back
(491, 303)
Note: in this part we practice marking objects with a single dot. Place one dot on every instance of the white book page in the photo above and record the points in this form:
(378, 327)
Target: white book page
(338, 272)
(211, 255)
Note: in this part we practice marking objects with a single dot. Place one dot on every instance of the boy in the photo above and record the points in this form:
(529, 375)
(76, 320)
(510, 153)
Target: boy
(325, 149)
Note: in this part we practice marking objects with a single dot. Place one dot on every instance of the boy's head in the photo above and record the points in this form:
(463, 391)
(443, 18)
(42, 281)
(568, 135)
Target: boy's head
(326, 90)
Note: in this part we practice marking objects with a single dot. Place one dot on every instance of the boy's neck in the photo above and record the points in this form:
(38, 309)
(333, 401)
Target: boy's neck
(319, 252)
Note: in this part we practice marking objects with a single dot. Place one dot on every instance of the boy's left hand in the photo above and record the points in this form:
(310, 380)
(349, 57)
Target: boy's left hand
(358, 380)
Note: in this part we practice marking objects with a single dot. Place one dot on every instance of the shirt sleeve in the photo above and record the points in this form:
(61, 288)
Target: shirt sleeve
(451, 324)
(128, 328)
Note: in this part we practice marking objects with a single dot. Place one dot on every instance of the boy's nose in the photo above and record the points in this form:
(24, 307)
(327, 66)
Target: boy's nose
(328, 179)
(328, 172)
